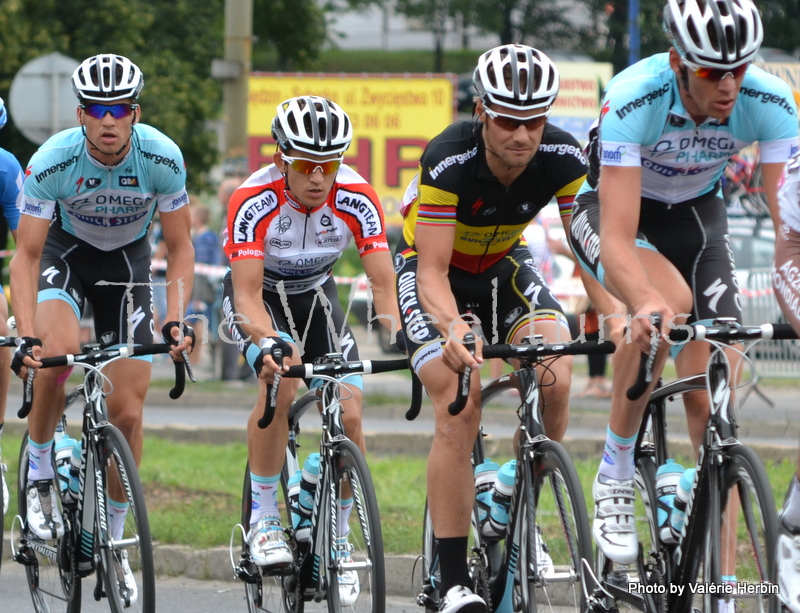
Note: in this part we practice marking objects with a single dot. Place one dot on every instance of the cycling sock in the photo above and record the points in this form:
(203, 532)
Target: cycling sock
(345, 508)
(264, 497)
(791, 510)
(40, 465)
(453, 562)
(617, 460)
(117, 512)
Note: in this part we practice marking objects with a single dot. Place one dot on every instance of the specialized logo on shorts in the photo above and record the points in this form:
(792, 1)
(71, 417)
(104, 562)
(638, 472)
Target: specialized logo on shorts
(51, 273)
(362, 208)
(134, 320)
(250, 214)
(512, 316)
(129, 181)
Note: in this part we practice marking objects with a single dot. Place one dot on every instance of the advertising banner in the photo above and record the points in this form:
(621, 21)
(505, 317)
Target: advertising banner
(580, 95)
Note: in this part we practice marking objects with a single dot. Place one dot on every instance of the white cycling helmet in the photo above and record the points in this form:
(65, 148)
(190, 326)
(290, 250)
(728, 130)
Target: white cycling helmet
(714, 33)
(516, 77)
(107, 77)
(312, 124)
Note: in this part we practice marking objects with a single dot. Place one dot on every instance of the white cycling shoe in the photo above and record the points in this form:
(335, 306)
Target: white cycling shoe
(614, 527)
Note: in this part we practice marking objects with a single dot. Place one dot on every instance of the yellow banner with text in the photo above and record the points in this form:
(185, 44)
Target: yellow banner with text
(393, 117)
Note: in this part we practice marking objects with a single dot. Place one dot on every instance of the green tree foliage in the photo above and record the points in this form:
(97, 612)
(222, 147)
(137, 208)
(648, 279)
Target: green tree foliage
(294, 29)
(172, 41)
(781, 24)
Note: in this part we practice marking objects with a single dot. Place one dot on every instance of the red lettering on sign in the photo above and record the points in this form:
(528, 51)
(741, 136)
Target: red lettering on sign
(397, 159)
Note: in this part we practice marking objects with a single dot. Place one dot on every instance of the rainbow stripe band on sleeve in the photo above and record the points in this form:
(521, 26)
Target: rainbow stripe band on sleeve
(436, 215)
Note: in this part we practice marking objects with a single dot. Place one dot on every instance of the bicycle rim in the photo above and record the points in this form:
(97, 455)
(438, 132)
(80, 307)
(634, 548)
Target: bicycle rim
(121, 485)
(270, 593)
(742, 536)
(357, 584)
(52, 589)
(554, 533)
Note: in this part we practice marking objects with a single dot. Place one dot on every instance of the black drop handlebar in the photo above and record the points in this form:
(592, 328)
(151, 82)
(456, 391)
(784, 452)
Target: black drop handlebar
(536, 351)
(94, 355)
(724, 330)
(338, 369)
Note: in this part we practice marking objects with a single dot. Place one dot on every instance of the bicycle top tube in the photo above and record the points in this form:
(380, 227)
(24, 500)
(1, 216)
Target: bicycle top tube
(92, 357)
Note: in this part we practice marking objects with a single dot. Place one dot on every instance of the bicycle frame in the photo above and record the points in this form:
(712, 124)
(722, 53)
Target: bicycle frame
(678, 564)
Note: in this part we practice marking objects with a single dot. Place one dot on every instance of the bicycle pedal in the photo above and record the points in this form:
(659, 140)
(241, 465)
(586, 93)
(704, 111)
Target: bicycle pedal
(244, 575)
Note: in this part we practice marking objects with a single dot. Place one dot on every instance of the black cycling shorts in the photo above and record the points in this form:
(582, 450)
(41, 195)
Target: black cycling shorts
(693, 235)
(314, 321)
(115, 283)
(502, 299)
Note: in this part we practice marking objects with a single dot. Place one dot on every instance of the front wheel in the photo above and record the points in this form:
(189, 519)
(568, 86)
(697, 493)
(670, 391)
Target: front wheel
(49, 565)
(357, 578)
(552, 531)
(123, 535)
(738, 556)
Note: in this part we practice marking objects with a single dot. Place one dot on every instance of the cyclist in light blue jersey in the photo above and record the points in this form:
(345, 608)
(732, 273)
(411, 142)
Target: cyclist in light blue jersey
(10, 185)
(650, 223)
(88, 197)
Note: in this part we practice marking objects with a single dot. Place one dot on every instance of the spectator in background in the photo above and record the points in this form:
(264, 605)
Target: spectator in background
(207, 249)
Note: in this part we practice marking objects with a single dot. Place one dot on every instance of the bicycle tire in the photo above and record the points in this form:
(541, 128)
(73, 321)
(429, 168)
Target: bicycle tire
(267, 592)
(750, 555)
(3, 503)
(553, 532)
(53, 589)
(431, 574)
(365, 537)
(120, 477)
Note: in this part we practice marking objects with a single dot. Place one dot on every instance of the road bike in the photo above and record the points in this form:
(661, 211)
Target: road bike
(5, 341)
(107, 475)
(343, 474)
(724, 558)
(536, 564)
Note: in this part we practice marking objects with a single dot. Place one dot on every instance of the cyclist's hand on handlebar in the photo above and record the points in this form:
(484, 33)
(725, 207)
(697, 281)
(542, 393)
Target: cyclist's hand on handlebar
(27, 355)
(265, 364)
(641, 328)
(171, 331)
(457, 357)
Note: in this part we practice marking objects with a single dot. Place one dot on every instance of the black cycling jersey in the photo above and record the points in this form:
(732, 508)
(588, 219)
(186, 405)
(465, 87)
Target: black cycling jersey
(457, 188)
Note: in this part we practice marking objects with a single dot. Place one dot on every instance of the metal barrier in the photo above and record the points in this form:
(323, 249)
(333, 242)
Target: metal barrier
(759, 305)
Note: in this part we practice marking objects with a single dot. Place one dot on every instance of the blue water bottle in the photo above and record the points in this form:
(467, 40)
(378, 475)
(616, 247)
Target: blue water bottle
(485, 475)
(678, 517)
(63, 452)
(501, 501)
(668, 476)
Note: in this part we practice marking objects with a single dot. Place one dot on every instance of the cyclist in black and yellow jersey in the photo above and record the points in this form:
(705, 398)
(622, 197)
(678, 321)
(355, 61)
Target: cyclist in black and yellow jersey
(480, 184)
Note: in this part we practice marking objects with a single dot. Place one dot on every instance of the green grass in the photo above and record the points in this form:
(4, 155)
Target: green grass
(194, 490)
